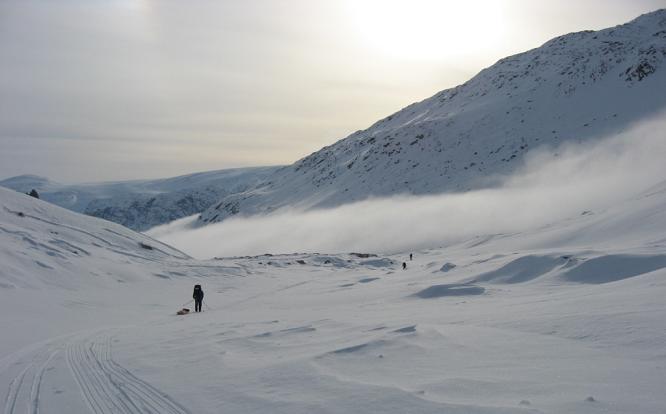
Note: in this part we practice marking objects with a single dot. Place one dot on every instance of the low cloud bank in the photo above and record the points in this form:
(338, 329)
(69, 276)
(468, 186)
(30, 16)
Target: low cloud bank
(552, 185)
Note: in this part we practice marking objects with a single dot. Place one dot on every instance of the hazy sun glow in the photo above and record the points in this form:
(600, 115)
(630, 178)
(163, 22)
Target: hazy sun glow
(428, 29)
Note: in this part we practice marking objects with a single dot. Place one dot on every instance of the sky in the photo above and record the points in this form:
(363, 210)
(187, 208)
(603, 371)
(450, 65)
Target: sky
(98, 90)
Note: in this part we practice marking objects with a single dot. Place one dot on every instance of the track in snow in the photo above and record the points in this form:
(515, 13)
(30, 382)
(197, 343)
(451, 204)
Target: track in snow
(24, 388)
(108, 387)
(105, 385)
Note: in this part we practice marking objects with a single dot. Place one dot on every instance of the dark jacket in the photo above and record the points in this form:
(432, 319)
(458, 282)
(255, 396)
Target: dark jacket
(198, 293)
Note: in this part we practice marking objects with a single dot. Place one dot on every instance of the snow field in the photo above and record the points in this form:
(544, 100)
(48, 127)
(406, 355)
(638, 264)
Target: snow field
(563, 318)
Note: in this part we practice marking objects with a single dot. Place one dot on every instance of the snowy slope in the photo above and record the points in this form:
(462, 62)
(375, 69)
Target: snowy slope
(41, 241)
(566, 318)
(573, 88)
(142, 204)
(62, 259)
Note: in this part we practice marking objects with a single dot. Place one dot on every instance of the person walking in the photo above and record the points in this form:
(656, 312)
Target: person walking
(404, 265)
(198, 296)
(410, 257)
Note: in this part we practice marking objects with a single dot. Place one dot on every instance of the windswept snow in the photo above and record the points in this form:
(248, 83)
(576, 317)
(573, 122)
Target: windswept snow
(41, 241)
(564, 318)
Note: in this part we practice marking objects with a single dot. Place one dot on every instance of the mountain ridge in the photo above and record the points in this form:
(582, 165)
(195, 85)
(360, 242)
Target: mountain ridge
(142, 204)
(575, 87)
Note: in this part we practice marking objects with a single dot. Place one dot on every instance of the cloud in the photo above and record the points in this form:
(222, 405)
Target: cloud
(553, 185)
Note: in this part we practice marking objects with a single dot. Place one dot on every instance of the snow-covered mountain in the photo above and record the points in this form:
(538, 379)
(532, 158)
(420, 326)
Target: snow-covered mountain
(573, 88)
(143, 204)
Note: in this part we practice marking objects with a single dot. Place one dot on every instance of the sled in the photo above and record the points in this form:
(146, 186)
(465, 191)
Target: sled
(183, 311)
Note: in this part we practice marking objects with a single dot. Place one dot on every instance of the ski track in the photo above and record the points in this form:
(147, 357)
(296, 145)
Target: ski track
(18, 394)
(108, 387)
(37, 383)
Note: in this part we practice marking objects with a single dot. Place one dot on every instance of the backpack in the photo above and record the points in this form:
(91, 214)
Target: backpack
(198, 293)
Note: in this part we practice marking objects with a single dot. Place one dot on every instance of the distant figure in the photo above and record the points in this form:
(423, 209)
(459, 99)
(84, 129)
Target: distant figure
(410, 257)
(198, 297)
(33, 193)
(404, 265)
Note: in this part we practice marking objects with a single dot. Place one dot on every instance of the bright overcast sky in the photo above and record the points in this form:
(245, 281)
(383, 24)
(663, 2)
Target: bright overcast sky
(102, 89)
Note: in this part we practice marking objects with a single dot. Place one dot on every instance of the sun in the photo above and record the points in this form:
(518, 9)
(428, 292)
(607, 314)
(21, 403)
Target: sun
(428, 29)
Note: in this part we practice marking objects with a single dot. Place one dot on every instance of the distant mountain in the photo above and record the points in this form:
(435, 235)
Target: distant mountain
(142, 204)
(576, 87)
